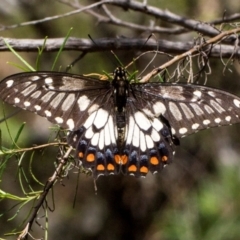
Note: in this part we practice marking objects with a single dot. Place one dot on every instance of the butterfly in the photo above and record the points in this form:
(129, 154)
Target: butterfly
(121, 126)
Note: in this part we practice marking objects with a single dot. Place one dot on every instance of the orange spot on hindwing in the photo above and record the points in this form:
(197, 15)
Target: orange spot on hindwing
(132, 168)
(90, 157)
(154, 160)
(144, 169)
(164, 158)
(124, 159)
(100, 167)
(80, 154)
(121, 159)
(117, 159)
(110, 167)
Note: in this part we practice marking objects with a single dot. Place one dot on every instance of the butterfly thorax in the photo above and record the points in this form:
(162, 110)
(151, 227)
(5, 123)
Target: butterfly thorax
(121, 88)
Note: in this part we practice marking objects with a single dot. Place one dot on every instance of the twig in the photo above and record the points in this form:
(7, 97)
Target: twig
(53, 17)
(189, 53)
(51, 181)
(32, 148)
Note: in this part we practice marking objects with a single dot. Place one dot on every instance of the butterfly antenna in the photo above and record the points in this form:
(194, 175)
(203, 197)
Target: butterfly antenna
(71, 65)
(118, 60)
(155, 55)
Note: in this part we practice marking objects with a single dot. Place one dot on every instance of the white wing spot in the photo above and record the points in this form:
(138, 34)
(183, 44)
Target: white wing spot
(197, 93)
(16, 100)
(142, 121)
(93, 108)
(70, 123)
(236, 103)
(9, 83)
(188, 113)
(217, 120)
(211, 93)
(218, 100)
(47, 97)
(197, 109)
(90, 120)
(48, 113)
(111, 130)
(228, 118)
(206, 122)
(101, 140)
(136, 136)
(89, 133)
(130, 131)
(148, 112)
(95, 139)
(149, 142)
(51, 87)
(157, 124)
(36, 94)
(155, 136)
(173, 131)
(69, 100)
(83, 102)
(217, 106)
(183, 130)
(59, 120)
(107, 135)
(208, 109)
(48, 80)
(37, 107)
(195, 126)
(26, 104)
(174, 93)
(29, 89)
(56, 100)
(175, 111)
(101, 118)
(34, 78)
(143, 146)
(159, 108)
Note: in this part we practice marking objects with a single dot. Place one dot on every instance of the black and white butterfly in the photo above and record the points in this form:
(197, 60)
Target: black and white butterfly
(118, 125)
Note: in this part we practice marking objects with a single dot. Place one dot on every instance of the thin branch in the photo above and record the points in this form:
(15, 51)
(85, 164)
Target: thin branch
(108, 44)
(167, 16)
(193, 50)
(32, 148)
(48, 186)
(3, 28)
(229, 19)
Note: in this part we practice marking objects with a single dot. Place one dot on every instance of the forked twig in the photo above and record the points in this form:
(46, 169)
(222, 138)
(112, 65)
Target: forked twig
(193, 50)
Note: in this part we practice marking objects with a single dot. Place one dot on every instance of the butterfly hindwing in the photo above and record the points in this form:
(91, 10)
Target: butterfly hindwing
(96, 141)
(149, 144)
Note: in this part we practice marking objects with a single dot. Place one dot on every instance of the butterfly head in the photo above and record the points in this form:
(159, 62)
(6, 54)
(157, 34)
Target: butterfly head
(120, 74)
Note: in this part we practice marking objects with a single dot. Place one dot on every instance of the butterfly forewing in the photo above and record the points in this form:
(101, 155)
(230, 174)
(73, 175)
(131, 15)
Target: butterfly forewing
(117, 125)
(188, 108)
(64, 99)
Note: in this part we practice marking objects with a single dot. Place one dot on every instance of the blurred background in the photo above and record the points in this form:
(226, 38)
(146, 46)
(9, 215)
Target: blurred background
(196, 197)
